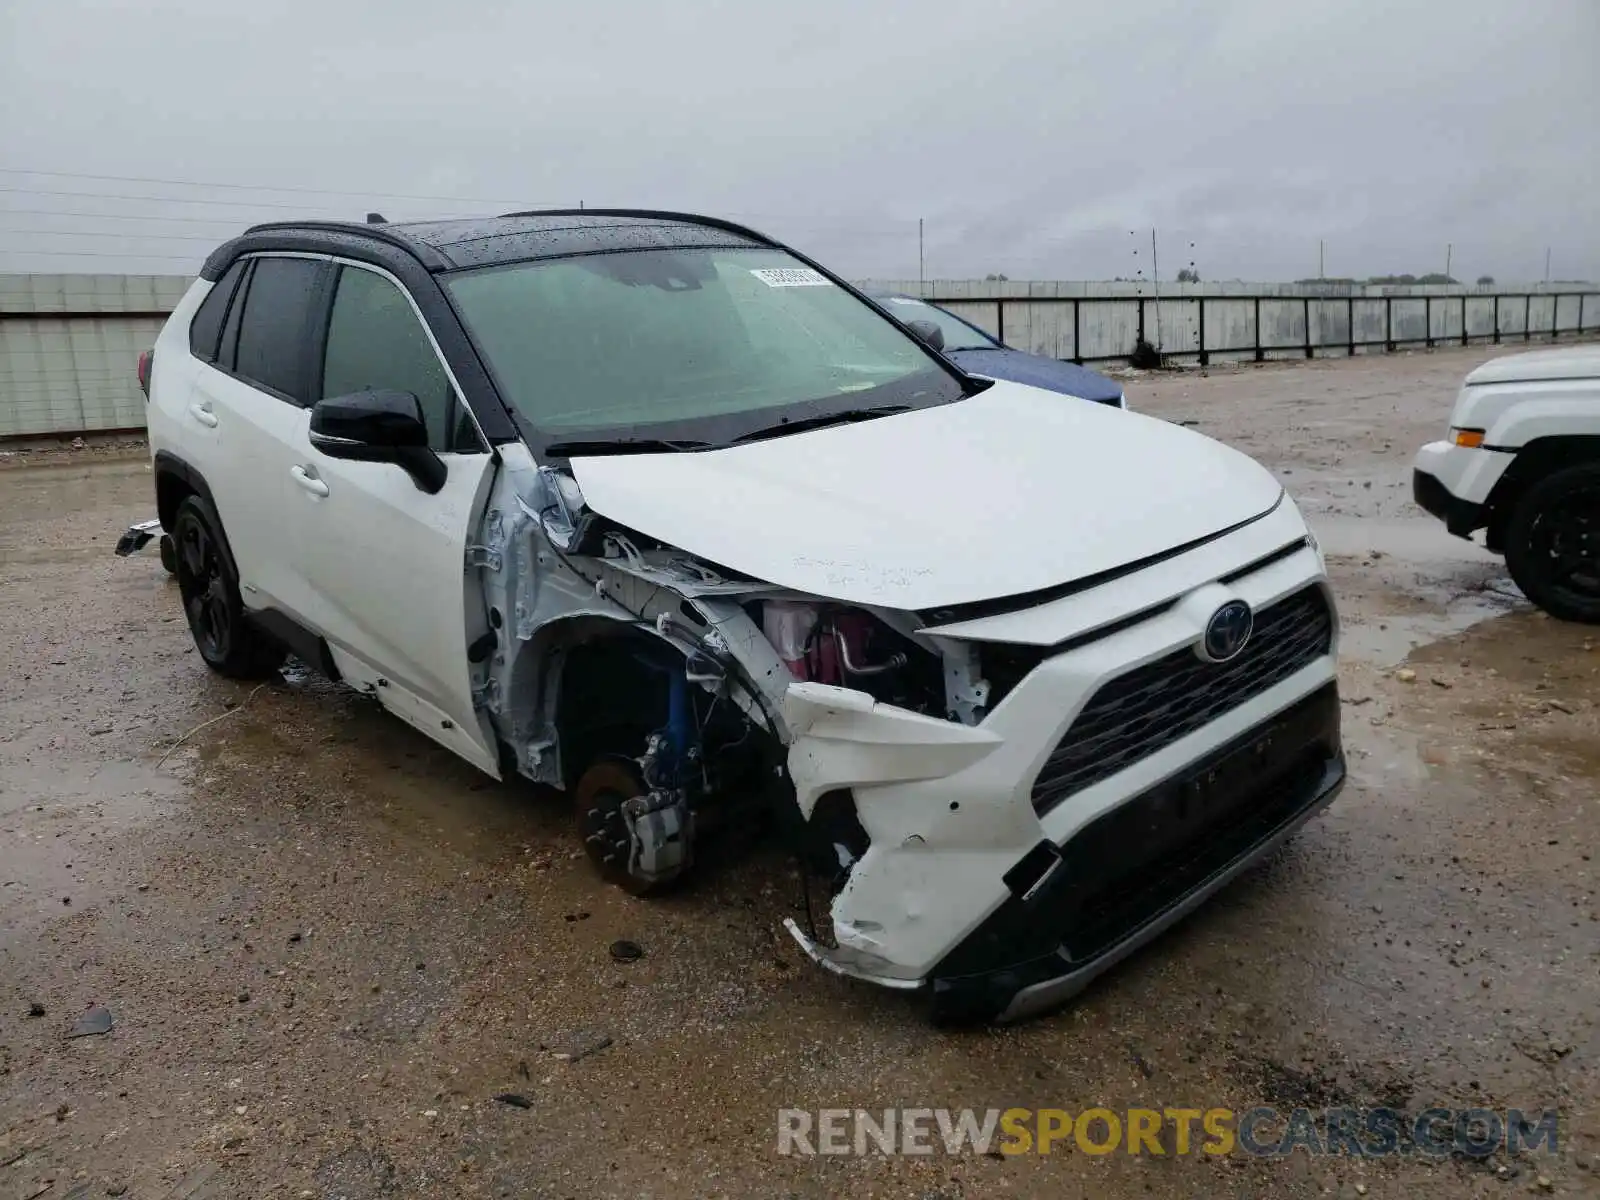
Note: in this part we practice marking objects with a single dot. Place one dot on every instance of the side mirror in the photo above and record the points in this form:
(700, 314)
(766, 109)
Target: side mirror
(928, 332)
(383, 427)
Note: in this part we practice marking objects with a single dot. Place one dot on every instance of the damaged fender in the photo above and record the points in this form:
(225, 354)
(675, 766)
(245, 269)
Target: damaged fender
(843, 738)
(899, 890)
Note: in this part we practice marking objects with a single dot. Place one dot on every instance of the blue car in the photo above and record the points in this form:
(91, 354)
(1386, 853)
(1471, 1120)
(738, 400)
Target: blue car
(974, 350)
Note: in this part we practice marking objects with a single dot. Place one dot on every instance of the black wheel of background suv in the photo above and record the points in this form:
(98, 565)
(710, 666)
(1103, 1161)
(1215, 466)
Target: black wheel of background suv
(1552, 543)
(209, 585)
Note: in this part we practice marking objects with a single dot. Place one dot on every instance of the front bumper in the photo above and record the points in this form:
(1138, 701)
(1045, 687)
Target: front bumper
(951, 818)
(1460, 517)
(1454, 483)
(1142, 867)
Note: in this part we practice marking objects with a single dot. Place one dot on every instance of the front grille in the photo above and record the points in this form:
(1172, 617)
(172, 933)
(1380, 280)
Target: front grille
(1153, 706)
(1143, 856)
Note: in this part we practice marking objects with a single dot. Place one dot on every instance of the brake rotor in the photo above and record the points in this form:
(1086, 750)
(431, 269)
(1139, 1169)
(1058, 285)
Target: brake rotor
(601, 792)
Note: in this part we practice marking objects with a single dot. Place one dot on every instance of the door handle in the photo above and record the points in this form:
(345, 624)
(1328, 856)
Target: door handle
(308, 481)
(203, 414)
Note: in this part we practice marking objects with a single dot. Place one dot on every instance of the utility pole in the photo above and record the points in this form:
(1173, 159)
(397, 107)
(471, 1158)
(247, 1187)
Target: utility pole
(922, 280)
(1321, 273)
(1547, 266)
(1155, 278)
(1447, 250)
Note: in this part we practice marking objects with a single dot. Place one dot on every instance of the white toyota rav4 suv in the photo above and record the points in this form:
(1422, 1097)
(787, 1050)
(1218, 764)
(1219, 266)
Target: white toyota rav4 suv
(651, 508)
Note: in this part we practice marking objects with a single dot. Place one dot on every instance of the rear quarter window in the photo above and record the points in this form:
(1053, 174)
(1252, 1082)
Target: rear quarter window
(205, 330)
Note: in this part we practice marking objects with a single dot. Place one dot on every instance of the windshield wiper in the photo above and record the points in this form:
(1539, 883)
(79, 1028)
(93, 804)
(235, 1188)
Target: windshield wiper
(596, 446)
(848, 416)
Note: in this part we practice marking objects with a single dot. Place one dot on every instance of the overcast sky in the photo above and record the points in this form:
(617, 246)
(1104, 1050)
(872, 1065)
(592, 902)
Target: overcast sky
(1031, 135)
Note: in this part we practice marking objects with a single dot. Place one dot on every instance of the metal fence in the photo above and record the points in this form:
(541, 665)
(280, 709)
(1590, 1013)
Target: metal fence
(1087, 329)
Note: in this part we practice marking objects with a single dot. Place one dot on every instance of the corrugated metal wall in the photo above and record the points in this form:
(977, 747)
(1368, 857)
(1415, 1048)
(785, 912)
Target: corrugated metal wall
(69, 345)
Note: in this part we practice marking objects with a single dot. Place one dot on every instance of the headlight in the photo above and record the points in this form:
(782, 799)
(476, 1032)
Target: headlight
(1316, 548)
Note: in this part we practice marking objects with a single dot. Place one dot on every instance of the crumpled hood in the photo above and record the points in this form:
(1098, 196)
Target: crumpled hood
(1038, 371)
(1010, 491)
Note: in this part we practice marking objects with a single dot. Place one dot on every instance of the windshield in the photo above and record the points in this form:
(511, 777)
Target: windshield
(700, 346)
(958, 335)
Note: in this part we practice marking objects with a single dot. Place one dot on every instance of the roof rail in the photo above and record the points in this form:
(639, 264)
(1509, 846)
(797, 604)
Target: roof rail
(421, 251)
(651, 213)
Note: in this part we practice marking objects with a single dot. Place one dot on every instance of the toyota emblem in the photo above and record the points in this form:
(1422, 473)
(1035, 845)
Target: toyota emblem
(1228, 632)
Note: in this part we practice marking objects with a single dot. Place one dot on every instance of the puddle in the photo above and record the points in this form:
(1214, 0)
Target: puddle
(1413, 540)
(60, 831)
(1391, 640)
(1406, 583)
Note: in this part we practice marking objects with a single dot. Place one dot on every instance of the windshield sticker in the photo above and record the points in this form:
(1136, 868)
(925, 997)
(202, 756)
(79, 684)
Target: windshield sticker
(791, 277)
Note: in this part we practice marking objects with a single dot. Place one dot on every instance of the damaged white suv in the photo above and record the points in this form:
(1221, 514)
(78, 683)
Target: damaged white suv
(651, 508)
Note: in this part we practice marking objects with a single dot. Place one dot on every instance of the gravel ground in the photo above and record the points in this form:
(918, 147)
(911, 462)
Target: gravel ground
(328, 946)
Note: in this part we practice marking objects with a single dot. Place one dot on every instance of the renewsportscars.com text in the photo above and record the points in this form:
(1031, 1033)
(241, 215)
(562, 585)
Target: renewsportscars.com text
(1261, 1131)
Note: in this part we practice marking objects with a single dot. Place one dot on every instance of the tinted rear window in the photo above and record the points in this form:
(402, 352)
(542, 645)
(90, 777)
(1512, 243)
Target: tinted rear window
(206, 327)
(273, 330)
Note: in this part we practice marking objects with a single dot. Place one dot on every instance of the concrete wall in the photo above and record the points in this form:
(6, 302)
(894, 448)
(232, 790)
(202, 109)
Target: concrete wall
(1098, 322)
(69, 348)
(69, 343)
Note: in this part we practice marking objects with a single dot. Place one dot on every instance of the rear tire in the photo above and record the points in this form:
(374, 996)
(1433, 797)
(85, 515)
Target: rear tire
(209, 584)
(169, 554)
(1552, 544)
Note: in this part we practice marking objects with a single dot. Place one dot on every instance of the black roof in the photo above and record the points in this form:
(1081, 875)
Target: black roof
(488, 241)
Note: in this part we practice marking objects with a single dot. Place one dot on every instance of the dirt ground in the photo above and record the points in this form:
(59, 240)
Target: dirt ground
(328, 946)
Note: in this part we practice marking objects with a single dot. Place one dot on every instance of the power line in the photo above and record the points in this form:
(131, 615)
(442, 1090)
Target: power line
(358, 193)
(796, 221)
(163, 237)
(320, 208)
(372, 196)
(268, 187)
(56, 212)
(327, 211)
(188, 258)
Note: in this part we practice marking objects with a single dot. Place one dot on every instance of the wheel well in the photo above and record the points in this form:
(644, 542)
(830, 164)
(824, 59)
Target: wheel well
(578, 687)
(608, 699)
(171, 490)
(1539, 458)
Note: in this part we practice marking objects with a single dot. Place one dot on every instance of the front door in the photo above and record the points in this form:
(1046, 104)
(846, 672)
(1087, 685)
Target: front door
(383, 563)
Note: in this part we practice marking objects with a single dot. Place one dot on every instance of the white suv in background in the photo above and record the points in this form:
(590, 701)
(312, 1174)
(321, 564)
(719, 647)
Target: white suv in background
(653, 509)
(1522, 463)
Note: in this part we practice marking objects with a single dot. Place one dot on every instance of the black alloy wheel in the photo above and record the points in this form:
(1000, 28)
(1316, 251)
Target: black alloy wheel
(1552, 543)
(209, 585)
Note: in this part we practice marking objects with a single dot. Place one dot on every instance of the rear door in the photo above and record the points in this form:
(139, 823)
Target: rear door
(245, 409)
(383, 563)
